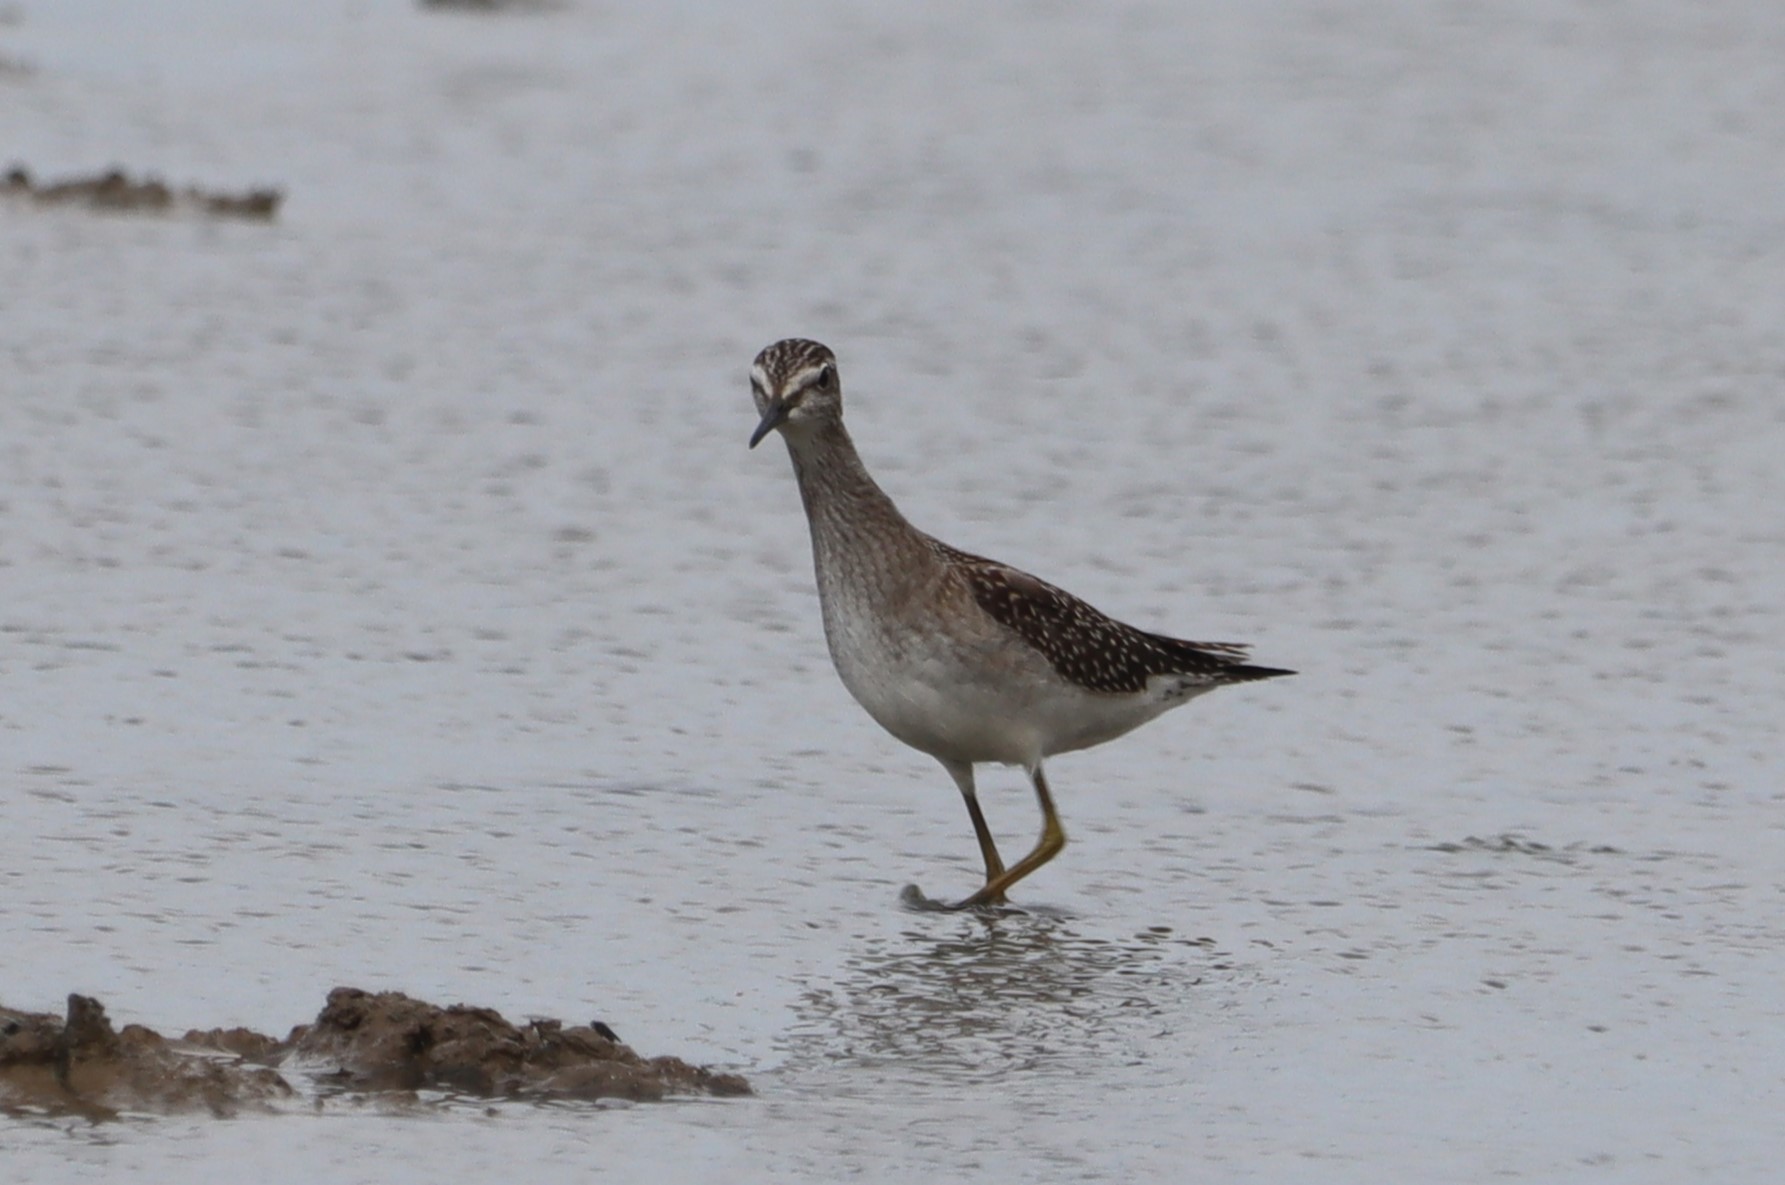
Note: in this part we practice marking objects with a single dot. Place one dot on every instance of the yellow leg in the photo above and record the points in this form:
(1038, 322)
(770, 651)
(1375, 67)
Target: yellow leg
(988, 849)
(1053, 838)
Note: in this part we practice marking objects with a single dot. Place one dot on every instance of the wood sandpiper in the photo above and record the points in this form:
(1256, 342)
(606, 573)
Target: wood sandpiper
(961, 657)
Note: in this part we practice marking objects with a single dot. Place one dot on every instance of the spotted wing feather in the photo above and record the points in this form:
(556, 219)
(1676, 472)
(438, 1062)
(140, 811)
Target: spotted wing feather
(1089, 647)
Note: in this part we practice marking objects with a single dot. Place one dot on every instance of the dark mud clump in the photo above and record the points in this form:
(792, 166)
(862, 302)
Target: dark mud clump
(115, 191)
(81, 1065)
(361, 1043)
(388, 1041)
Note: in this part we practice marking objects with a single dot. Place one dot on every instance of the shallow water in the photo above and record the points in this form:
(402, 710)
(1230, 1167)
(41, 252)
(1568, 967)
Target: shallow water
(389, 598)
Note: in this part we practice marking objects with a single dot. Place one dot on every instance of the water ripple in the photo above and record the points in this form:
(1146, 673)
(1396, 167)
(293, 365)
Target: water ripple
(996, 994)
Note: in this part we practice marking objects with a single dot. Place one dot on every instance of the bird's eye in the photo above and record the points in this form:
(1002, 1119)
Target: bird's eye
(826, 376)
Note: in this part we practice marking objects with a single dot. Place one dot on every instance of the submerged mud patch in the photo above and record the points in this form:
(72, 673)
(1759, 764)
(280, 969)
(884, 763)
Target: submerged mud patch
(361, 1043)
(1517, 845)
(493, 5)
(115, 191)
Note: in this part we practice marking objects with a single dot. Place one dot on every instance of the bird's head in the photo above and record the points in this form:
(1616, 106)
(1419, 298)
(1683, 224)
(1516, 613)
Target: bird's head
(795, 385)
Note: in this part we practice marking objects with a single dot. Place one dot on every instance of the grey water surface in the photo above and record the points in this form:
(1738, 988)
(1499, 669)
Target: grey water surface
(387, 596)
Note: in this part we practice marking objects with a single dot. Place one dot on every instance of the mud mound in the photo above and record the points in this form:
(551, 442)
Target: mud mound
(389, 1041)
(360, 1043)
(113, 190)
(84, 1066)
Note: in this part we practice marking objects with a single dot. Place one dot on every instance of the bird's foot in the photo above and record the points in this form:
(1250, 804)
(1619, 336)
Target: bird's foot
(913, 898)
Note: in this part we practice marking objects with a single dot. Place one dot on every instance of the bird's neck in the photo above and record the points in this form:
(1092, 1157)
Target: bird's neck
(844, 504)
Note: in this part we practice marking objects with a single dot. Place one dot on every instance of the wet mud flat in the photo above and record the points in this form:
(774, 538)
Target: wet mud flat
(114, 190)
(362, 1046)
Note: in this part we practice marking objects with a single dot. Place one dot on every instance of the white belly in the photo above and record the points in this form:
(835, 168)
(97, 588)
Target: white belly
(963, 702)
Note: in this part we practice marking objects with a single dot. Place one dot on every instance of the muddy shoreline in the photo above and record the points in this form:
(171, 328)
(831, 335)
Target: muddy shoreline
(362, 1044)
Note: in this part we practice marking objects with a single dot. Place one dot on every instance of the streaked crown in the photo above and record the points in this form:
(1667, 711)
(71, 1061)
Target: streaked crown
(790, 367)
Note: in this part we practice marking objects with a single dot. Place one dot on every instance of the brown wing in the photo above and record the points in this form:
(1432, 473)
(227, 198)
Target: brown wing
(1087, 646)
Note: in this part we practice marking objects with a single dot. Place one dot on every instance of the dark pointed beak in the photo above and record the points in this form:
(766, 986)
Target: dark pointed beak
(773, 418)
